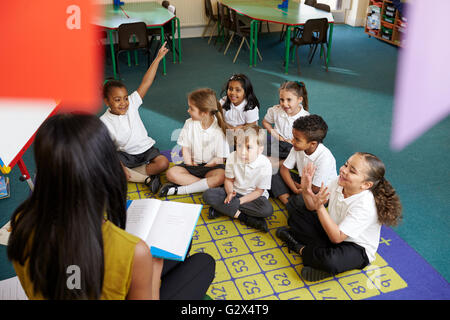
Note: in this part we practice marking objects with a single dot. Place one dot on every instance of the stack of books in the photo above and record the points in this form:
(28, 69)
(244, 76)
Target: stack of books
(4, 187)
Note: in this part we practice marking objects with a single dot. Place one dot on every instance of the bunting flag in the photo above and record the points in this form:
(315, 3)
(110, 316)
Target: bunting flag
(50, 50)
(422, 93)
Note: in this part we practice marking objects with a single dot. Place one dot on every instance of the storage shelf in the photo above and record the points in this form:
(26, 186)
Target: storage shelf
(386, 8)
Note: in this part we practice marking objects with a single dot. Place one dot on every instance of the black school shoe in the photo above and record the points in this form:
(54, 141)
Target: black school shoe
(313, 275)
(212, 213)
(154, 183)
(165, 188)
(284, 234)
(257, 223)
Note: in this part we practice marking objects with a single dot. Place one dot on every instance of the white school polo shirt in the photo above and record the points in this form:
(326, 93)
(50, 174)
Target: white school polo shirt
(357, 217)
(128, 131)
(237, 116)
(171, 8)
(205, 144)
(249, 176)
(283, 122)
(323, 160)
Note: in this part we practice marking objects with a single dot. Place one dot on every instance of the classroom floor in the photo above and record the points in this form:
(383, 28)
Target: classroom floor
(252, 265)
(355, 97)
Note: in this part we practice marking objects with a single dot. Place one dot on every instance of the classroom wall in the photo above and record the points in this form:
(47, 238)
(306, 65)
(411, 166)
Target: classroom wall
(356, 15)
(193, 19)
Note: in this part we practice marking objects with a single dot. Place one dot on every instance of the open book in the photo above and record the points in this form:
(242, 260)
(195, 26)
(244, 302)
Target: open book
(165, 226)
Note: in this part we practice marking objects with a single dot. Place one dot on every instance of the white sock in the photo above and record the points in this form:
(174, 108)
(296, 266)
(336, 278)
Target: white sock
(198, 186)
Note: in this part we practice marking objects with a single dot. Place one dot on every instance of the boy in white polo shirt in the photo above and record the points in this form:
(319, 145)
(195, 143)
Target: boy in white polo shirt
(309, 133)
(247, 177)
(135, 148)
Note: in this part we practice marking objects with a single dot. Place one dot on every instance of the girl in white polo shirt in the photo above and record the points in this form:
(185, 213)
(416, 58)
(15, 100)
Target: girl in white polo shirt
(247, 177)
(204, 147)
(136, 149)
(240, 105)
(293, 105)
(346, 236)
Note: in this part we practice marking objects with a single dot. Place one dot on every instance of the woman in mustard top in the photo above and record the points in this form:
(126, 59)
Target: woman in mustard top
(68, 239)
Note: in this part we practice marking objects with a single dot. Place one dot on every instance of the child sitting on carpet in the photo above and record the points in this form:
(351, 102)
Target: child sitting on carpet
(204, 147)
(128, 132)
(247, 177)
(308, 132)
(346, 236)
(240, 104)
(293, 105)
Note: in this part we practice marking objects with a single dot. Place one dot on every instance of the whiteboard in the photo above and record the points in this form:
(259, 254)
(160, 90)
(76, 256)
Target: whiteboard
(19, 120)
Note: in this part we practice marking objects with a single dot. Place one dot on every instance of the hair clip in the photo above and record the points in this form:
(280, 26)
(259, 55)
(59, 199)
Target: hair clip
(300, 83)
(235, 77)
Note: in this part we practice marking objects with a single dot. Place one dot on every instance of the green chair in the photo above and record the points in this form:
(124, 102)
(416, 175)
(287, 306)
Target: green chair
(314, 34)
(211, 18)
(132, 37)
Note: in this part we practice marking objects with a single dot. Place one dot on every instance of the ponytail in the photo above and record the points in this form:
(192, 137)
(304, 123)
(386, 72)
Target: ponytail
(220, 118)
(387, 201)
(304, 95)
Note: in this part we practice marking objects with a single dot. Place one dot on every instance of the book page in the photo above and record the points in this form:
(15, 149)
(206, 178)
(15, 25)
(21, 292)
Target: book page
(173, 227)
(11, 289)
(141, 215)
(5, 231)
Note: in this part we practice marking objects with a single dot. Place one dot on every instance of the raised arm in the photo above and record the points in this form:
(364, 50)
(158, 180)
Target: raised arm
(149, 76)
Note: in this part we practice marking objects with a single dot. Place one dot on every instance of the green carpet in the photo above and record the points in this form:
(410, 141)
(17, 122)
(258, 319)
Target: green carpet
(355, 97)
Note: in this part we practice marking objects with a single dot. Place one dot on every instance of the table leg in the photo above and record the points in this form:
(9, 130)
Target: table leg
(330, 38)
(251, 42)
(173, 41)
(135, 54)
(113, 56)
(287, 45)
(179, 39)
(255, 45)
(162, 42)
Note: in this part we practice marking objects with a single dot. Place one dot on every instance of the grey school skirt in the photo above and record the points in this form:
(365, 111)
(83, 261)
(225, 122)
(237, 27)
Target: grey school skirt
(136, 160)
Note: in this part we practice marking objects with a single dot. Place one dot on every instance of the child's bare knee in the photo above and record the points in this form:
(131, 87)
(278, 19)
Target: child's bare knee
(171, 174)
(163, 163)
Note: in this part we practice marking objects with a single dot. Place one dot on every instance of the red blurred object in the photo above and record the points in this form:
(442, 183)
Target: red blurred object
(49, 49)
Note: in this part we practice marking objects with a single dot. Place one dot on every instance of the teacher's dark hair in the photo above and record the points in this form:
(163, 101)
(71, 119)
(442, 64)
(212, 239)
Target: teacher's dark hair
(79, 183)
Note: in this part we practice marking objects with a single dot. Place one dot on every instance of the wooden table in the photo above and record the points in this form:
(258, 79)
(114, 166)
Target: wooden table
(267, 10)
(152, 13)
